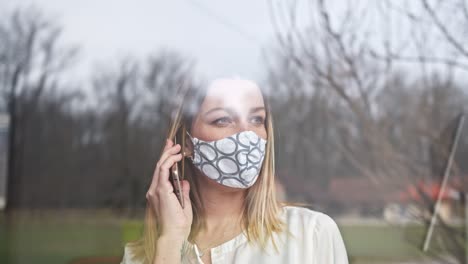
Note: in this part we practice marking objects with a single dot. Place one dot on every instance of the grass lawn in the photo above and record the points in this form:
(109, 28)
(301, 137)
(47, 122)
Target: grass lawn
(372, 244)
(53, 240)
(57, 239)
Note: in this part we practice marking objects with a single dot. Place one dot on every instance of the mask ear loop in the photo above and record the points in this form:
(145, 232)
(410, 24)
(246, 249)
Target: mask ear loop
(188, 133)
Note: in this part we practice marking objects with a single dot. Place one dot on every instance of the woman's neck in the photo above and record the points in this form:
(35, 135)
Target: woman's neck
(221, 205)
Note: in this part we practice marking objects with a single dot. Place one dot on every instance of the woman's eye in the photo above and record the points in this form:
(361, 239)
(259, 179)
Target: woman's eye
(258, 120)
(221, 121)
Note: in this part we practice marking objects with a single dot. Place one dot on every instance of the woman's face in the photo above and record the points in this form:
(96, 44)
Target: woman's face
(230, 106)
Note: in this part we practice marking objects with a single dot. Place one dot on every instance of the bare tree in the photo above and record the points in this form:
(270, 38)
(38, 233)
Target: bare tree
(135, 102)
(382, 120)
(31, 61)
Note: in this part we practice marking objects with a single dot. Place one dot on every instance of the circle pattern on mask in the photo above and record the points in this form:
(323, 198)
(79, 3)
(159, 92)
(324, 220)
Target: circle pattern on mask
(234, 161)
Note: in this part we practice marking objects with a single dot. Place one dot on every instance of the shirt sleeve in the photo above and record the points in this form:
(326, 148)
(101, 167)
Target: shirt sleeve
(328, 245)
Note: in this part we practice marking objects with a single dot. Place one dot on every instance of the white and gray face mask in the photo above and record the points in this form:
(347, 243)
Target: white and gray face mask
(234, 161)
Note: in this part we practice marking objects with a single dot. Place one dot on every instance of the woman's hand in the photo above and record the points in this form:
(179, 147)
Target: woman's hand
(174, 220)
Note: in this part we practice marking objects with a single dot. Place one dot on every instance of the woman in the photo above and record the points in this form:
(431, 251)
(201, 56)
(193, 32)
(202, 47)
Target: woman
(230, 213)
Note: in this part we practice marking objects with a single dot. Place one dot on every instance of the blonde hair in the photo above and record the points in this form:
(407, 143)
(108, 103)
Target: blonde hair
(261, 214)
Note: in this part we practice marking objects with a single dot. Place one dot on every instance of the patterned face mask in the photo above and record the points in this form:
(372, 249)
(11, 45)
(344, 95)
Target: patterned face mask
(234, 161)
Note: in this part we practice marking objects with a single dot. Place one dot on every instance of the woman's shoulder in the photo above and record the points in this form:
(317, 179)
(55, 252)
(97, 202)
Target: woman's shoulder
(308, 217)
(317, 231)
(311, 224)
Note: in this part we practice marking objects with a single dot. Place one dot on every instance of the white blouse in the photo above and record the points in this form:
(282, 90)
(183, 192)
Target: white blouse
(316, 239)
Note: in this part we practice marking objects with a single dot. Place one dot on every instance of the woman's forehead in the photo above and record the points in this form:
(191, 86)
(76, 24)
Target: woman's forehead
(233, 93)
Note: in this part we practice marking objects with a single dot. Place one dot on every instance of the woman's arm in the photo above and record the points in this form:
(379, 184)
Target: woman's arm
(168, 250)
(173, 220)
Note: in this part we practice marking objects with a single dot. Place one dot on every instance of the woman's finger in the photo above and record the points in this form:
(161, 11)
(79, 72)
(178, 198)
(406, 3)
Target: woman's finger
(169, 144)
(154, 180)
(163, 177)
(169, 151)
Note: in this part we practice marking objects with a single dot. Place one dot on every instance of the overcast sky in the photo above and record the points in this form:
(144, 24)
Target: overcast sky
(224, 37)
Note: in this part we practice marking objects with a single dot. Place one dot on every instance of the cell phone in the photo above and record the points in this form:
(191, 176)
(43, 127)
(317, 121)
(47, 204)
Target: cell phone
(175, 179)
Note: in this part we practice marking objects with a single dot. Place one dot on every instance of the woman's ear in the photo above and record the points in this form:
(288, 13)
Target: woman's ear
(188, 152)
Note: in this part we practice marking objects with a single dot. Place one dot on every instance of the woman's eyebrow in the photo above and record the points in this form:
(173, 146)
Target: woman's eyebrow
(216, 109)
(256, 109)
(231, 111)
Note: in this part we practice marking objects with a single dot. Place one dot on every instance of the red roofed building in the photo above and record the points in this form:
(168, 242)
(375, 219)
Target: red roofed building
(360, 195)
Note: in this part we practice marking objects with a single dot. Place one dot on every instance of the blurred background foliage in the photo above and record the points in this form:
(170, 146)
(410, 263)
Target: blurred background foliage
(360, 106)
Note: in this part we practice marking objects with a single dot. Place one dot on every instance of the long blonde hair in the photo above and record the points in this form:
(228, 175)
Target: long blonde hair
(261, 214)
